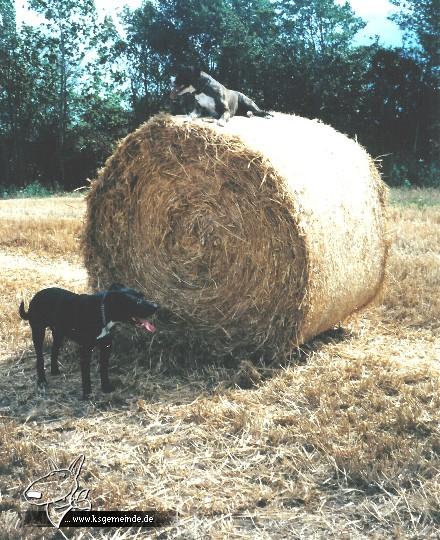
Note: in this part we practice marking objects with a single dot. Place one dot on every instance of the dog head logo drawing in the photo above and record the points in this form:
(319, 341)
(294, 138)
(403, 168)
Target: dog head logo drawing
(58, 491)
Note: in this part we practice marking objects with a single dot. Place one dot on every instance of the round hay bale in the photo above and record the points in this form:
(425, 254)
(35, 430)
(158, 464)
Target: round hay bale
(255, 237)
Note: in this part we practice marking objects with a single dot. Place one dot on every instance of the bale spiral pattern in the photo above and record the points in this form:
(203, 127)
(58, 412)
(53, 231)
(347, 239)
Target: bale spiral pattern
(255, 237)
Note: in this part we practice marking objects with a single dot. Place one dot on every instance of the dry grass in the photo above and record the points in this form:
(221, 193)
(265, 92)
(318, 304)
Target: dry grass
(48, 227)
(344, 443)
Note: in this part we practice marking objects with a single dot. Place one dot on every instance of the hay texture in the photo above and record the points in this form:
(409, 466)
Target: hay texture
(255, 237)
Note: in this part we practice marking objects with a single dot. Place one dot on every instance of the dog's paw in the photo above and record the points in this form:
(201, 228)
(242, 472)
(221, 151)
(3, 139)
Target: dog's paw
(221, 123)
(189, 118)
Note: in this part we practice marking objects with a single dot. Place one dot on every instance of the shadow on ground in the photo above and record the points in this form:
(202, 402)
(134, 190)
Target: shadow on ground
(137, 376)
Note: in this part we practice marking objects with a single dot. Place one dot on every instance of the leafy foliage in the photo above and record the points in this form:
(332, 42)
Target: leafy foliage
(74, 85)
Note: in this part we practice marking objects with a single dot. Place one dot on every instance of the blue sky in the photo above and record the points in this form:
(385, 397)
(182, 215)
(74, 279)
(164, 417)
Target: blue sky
(374, 13)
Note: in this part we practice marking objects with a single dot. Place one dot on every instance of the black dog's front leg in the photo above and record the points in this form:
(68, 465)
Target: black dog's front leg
(224, 118)
(56, 345)
(224, 107)
(192, 115)
(105, 349)
(86, 355)
(38, 338)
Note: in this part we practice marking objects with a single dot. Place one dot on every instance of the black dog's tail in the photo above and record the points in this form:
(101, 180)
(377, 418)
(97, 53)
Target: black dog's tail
(22, 312)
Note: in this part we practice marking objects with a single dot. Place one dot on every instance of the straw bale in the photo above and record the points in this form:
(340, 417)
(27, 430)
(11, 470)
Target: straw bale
(255, 237)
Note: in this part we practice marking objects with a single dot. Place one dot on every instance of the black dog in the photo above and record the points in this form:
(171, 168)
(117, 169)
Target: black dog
(212, 98)
(86, 319)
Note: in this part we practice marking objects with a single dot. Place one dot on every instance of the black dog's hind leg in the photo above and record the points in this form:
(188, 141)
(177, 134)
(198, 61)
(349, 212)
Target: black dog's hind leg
(56, 345)
(38, 333)
(251, 108)
(85, 357)
(105, 349)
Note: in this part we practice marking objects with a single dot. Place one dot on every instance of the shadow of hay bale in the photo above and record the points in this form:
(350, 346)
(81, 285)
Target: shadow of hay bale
(254, 238)
(138, 375)
(207, 372)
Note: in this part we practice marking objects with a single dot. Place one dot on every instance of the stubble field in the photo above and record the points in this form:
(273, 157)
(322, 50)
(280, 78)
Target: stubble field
(343, 441)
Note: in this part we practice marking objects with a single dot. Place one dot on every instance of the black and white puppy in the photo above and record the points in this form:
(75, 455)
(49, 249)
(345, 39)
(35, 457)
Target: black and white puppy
(212, 99)
(85, 319)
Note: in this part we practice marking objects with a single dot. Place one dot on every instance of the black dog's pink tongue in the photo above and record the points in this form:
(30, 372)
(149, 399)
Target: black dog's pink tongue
(147, 325)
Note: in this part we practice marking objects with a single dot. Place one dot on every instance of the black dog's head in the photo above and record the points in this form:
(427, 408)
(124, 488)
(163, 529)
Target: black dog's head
(125, 305)
(184, 81)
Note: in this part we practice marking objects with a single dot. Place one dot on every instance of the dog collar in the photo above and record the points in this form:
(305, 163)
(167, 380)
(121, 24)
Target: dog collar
(106, 326)
(106, 330)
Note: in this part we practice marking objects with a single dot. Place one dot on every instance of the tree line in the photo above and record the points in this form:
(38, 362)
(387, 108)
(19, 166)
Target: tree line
(73, 85)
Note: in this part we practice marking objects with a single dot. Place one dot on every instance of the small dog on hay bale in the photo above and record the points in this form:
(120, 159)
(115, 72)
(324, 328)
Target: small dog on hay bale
(85, 319)
(212, 99)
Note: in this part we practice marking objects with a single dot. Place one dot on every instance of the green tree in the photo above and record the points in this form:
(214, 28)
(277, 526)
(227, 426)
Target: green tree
(319, 55)
(25, 77)
(62, 106)
(231, 40)
(72, 27)
(7, 20)
(72, 86)
(8, 120)
(420, 22)
(146, 56)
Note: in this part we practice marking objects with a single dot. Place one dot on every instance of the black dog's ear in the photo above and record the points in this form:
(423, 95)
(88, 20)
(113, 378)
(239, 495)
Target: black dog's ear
(116, 287)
